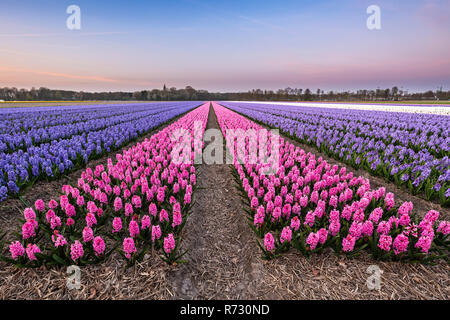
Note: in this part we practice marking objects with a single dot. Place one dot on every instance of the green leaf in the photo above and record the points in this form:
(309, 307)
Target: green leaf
(58, 259)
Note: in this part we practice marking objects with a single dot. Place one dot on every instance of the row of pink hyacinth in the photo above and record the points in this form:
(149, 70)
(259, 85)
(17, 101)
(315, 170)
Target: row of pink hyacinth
(139, 201)
(311, 204)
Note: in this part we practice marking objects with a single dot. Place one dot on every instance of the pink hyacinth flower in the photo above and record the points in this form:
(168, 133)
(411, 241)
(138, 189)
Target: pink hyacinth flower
(169, 243)
(99, 245)
(117, 224)
(269, 242)
(76, 250)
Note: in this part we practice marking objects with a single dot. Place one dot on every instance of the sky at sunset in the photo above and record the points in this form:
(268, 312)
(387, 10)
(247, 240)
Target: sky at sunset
(225, 45)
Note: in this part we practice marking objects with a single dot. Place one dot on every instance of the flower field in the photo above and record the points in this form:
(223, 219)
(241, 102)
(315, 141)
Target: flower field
(310, 205)
(46, 142)
(140, 201)
(407, 149)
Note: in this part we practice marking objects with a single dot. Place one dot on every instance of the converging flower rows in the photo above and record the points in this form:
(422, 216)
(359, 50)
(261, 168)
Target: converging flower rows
(405, 148)
(311, 205)
(141, 202)
(136, 204)
(44, 143)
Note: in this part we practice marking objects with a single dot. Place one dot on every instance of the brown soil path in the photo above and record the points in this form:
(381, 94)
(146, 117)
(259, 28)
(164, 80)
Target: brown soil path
(223, 255)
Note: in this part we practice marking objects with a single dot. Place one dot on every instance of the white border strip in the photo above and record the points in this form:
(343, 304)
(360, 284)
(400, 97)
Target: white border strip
(442, 110)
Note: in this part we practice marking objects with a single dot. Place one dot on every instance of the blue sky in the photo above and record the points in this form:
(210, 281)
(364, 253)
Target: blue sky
(225, 45)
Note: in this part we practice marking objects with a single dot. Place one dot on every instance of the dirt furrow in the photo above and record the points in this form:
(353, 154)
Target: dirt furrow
(222, 256)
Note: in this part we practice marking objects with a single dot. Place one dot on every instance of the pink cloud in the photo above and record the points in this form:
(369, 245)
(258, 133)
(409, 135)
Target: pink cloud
(60, 75)
(21, 77)
(44, 35)
(435, 13)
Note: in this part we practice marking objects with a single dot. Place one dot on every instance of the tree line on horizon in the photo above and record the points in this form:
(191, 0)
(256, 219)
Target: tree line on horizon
(189, 93)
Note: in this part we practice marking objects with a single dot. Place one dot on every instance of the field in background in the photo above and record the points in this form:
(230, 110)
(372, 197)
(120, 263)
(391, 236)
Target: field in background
(11, 104)
(18, 104)
(409, 108)
(407, 102)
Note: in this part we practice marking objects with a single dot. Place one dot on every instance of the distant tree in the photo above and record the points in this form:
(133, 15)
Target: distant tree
(299, 94)
(429, 94)
(364, 94)
(394, 93)
(79, 95)
(136, 95)
(183, 94)
(189, 93)
(318, 93)
(378, 93)
(307, 96)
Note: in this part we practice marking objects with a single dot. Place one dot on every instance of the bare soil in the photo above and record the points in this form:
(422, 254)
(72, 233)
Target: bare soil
(223, 256)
